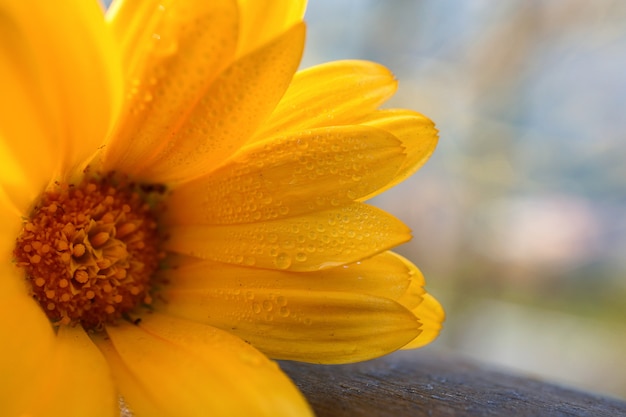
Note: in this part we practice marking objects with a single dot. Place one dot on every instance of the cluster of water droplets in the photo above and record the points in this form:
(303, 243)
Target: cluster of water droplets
(173, 70)
(270, 307)
(312, 171)
(317, 241)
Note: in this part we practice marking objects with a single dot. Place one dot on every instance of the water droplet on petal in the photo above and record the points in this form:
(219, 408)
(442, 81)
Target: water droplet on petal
(282, 260)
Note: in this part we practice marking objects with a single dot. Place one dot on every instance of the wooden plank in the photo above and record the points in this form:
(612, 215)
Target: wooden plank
(421, 383)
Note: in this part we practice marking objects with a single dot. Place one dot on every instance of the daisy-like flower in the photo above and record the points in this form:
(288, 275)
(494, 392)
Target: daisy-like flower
(178, 205)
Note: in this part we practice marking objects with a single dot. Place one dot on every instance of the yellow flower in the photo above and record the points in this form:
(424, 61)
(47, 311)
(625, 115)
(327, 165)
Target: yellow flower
(177, 206)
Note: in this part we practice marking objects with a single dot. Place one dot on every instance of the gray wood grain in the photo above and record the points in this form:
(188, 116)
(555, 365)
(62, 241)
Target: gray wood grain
(420, 383)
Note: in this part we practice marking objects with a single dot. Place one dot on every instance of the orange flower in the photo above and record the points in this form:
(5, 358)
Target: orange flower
(178, 205)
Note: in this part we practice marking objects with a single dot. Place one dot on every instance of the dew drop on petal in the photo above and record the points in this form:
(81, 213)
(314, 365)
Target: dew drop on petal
(284, 312)
(282, 260)
(256, 307)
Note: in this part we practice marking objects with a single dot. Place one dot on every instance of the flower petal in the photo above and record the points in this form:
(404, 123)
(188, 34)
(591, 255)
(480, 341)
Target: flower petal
(303, 325)
(10, 225)
(264, 20)
(383, 275)
(173, 51)
(27, 343)
(60, 107)
(304, 243)
(430, 313)
(60, 375)
(77, 381)
(330, 94)
(309, 171)
(150, 32)
(414, 292)
(417, 133)
(170, 367)
(18, 187)
(223, 118)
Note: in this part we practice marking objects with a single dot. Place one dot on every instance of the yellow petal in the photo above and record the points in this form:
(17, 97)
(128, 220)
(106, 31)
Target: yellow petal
(330, 94)
(264, 20)
(414, 292)
(303, 243)
(18, 187)
(27, 343)
(170, 367)
(431, 315)
(383, 275)
(173, 51)
(303, 325)
(309, 171)
(151, 33)
(10, 225)
(61, 85)
(60, 375)
(417, 133)
(76, 381)
(222, 118)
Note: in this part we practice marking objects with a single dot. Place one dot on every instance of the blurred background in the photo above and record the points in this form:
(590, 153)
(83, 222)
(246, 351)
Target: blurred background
(519, 218)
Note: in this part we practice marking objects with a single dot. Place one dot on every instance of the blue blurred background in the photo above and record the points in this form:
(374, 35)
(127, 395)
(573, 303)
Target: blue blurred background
(519, 217)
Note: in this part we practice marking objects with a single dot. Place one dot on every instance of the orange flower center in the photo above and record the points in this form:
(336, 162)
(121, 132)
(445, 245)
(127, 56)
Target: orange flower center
(89, 250)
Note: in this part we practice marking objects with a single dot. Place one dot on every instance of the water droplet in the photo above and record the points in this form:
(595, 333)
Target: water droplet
(164, 45)
(282, 260)
(268, 305)
(256, 307)
(284, 312)
(301, 257)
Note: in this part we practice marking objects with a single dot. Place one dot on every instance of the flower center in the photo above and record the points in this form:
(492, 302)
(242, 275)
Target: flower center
(89, 250)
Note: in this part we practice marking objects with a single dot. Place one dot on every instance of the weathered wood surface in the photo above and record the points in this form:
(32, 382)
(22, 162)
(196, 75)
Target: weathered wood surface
(417, 383)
